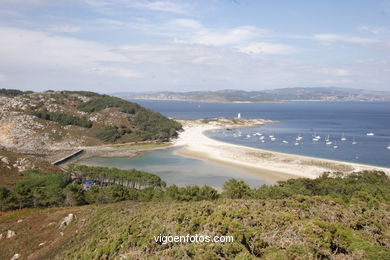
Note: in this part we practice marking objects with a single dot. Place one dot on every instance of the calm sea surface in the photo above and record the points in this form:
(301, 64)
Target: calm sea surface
(348, 120)
(351, 120)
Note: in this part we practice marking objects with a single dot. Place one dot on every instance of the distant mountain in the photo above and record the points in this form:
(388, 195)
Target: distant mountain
(273, 95)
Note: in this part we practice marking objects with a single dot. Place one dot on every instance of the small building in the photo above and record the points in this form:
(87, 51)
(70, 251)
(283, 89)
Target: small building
(87, 184)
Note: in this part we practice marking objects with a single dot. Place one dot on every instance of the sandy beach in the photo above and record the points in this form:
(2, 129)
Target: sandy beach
(272, 166)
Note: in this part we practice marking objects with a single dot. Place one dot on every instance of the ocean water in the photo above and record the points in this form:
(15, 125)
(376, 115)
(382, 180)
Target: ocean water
(351, 120)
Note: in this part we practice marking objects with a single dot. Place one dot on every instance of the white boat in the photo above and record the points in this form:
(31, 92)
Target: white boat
(388, 147)
(316, 137)
(328, 141)
(285, 142)
(262, 141)
(273, 139)
(370, 134)
(353, 141)
(296, 143)
(270, 136)
(299, 138)
(248, 136)
(261, 137)
(257, 134)
(335, 147)
(343, 138)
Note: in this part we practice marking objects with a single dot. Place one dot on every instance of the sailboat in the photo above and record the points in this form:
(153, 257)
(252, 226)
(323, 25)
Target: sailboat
(328, 141)
(370, 134)
(299, 138)
(285, 142)
(388, 147)
(353, 141)
(343, 138)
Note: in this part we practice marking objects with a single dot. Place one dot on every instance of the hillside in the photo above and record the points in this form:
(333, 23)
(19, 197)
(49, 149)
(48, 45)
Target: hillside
(37, 122)
(16, 166)
(332, 217)
(273, 95)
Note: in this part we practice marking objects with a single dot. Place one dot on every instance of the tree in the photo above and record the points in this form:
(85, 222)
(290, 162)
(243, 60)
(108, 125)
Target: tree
(236, 189)
(74, 195)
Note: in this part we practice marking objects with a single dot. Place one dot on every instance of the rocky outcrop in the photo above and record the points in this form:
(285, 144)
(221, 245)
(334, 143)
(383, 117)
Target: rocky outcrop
(10, 234)
(67, 220)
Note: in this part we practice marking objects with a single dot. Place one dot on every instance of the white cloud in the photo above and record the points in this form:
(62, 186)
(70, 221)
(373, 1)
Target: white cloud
(120, 72)
(373, 29)
(65, 28)
(22, 2)
(341, 38)
(267, 48)
(187, 23)
(96, 3)
(334, 71)
(27, 51)
(165, 6)
(335, 82)
(238, 35)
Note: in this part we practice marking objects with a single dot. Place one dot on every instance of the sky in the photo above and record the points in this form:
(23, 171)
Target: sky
(168, 45)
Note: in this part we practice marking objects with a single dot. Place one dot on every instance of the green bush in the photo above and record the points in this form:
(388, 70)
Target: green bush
(234, 189)
(101, 102)
(63, 119)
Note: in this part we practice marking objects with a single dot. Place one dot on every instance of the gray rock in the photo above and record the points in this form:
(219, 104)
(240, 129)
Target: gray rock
(10, 233)
(67, 220)
(16, 256)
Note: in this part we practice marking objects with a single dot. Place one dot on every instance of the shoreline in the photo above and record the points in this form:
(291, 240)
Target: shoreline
(267, 164)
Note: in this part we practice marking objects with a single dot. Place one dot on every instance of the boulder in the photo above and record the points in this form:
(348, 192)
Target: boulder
(16, 256)
(10, 233)
(67, 220)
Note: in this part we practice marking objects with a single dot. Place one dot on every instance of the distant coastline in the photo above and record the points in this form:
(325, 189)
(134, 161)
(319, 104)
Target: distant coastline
(325, 94)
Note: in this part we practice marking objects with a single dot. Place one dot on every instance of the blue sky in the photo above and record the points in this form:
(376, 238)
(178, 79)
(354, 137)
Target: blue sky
(152, 45)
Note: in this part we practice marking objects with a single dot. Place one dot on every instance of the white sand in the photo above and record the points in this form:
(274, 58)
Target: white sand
(272, 165)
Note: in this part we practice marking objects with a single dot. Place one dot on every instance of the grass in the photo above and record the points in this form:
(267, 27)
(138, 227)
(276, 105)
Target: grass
(296, 228)
(141, 145)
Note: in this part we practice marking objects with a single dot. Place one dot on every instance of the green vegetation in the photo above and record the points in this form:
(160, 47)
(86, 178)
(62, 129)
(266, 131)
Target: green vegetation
(63, 119)
(112, 133)
(101, 102)
(81, 93)
(129, 178)
(154, 126)
(149, 125)
(114, 120)
(109, 185)
(12, 92)
(332, 217)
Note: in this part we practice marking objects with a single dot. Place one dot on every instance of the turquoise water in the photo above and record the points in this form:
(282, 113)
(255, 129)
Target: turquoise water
(179, 170)
(352, 120)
